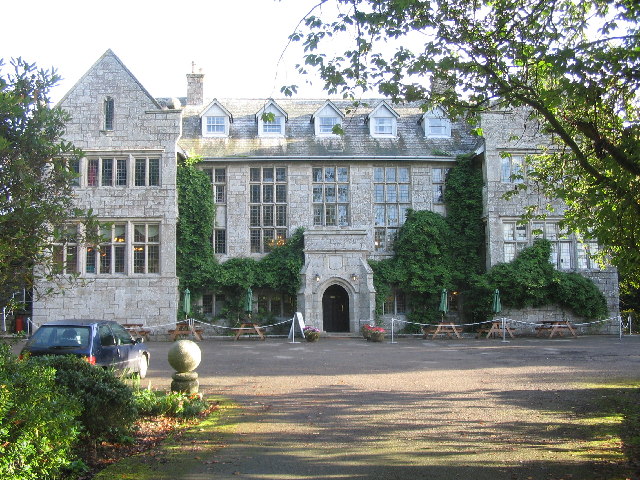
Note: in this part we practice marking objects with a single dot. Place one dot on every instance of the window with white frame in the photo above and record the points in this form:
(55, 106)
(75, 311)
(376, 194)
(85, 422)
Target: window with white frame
(147, 172)
(438, 179)
(330, 195)
(274, 126)
(65, 251)
(267, 208)
(326, 124)
(392, 199)
(216, 125)
(436, 124)
(383, 126)
(567, 251)
(512, 170)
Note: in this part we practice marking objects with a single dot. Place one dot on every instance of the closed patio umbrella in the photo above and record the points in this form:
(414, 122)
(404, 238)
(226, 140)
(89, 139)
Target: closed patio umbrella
(444, 303)
(496, 306)
(248, 304)
(186, 302)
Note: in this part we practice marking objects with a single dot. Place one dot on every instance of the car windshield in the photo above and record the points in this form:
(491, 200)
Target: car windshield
(60, 336)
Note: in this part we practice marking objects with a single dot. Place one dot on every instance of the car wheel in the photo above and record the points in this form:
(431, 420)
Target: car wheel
(143, 366)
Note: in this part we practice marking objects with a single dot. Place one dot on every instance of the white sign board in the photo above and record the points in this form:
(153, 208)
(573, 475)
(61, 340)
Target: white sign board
(297, 323)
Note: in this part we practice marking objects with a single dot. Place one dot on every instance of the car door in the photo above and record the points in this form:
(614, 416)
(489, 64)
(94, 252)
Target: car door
(126, 348)
(109, 353)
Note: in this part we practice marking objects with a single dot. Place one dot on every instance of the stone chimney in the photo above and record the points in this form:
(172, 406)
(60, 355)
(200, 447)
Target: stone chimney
(195, 90)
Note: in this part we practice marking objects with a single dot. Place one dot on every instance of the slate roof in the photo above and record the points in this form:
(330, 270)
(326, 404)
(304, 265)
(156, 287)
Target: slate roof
(300, 139)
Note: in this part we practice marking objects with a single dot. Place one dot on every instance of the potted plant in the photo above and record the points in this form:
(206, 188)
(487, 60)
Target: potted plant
(373, 334)
(366, 330)
(311, 334)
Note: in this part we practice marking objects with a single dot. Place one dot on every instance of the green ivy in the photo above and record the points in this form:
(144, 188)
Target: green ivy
(433, 252)
(195, 261)
(531, 281)
(463, 197)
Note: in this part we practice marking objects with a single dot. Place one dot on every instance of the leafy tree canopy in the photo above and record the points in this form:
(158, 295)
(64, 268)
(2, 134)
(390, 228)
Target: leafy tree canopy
(574, 65)
(35, 181)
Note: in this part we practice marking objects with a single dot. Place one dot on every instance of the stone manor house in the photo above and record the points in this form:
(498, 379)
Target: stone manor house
(350, 193)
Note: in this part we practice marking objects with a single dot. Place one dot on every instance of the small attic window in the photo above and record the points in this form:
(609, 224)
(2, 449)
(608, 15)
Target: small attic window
(383, 121)
(109, 113)
(216, 120)
(271, 120)
(326, 118)
(436, 124)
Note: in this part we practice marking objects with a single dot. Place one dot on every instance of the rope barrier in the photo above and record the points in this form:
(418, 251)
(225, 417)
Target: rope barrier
(504, 321)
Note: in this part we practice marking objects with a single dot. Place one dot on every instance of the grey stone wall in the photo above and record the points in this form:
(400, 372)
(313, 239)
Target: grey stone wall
(141, 128)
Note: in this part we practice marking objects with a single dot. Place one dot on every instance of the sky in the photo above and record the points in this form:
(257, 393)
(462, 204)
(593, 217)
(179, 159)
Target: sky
(237, 44)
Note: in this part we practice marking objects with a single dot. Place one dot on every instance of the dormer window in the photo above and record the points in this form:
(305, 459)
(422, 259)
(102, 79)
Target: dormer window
(274, 126)
(216, 125)
(109, 113)
(383, 126)
(271, 120)
(326, 124)
(383, 121)
(216, 120)
(326, 118)
(436, 124)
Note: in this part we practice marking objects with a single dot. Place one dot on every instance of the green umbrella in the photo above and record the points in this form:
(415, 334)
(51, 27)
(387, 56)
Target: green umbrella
(444, 303)
(186, 302)
(248, 306)
(496, 307)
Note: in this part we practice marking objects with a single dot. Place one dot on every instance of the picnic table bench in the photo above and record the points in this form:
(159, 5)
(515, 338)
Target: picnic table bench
(249, 327)
(555, 326)
(495, 330)
(184, 329)
(137, 330)
(448, 329)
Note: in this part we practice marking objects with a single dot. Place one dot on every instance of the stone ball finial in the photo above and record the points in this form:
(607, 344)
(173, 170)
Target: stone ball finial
(184, 356)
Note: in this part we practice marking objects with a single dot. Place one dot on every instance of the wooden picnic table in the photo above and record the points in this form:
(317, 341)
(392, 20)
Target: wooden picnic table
(448, 329)
(186, 329)
(137, 330)
(496, 330)
(555, 326)
(249, 327)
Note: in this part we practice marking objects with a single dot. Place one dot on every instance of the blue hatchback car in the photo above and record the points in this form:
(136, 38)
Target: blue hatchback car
(102, 342)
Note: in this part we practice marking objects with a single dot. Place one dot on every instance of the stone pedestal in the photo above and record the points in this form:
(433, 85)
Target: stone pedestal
(184, 356)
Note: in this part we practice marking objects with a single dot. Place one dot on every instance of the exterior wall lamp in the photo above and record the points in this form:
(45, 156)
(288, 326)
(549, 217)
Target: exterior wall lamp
(354, 277)
(317, 277)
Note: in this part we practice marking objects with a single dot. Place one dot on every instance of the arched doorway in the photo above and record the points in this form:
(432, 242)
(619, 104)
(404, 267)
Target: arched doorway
(335, 309)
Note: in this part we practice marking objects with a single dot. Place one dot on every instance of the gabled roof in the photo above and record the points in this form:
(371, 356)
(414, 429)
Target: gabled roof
(109, 53)
(328, 103)
(435, 112)
(272, 103)
(216, 103)
(381, 105)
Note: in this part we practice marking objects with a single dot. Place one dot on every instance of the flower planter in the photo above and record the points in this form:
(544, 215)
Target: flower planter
(376, 337)
(312, 336)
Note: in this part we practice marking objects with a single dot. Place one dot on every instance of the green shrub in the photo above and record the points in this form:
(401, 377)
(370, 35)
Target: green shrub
(173, 404)
(38, 426)
(108, 407)
(580, 295)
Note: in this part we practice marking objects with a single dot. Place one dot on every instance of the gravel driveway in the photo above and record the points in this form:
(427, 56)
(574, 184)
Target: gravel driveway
(343, 408)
